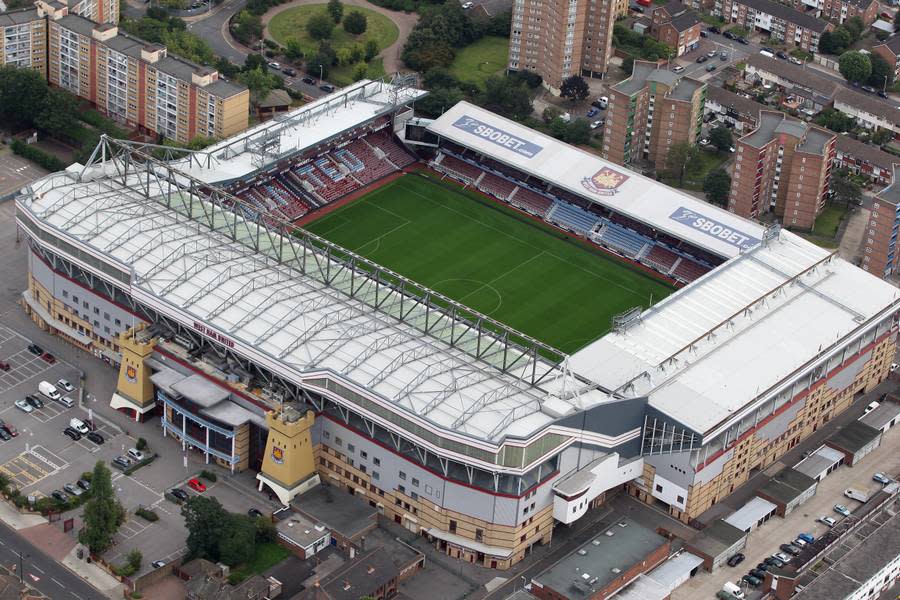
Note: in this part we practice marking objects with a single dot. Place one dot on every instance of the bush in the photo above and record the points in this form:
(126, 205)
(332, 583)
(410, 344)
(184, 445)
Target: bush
(132, 565)
(320, 27)
(147, 514)
(270, 44)
(141, 444)
(355, 23)
(47, 161)
(208, 475)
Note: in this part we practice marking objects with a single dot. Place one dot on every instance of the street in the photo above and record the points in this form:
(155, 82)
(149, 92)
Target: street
(40, 571)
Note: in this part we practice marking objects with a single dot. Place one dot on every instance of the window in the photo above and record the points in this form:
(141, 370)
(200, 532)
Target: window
(326, 434)
(680, 499)
(338, 441)
(363, 454)
(375, 475)
(658, 488)
(401, 489)
(75, 299)
(96, 311)
(452, 526)
(414, 495)
(106, 316)
(376, 461)
(415, 482)
(479, 535)
(402, 476)
(362, 468)
(351, 448)
(118, 322)
(65, 293)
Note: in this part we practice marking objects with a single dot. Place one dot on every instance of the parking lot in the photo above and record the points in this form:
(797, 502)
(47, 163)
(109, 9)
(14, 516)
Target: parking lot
(766, 540)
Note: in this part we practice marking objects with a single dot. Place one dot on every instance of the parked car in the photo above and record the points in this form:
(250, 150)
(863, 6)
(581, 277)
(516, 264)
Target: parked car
(35, 349)
(882, 94)
(95, 437)
(881, 478)
(842, 510)
(723, 56)
(72, 434)
(598, 123)
(84, 484)
(799, 543)
(254, 513)
(806, 538)
(79, 425)
(136, 454)
(751, 580)
(795, 60)
(289, 72)
(704, 33)
(59, 496)
(196, 485)
(9, 428)
(274, 65)
(773, 562)
(22, 404)
(702, 59)
(829, 521)
(713, 29)
(735, 559)
(73, 489)
(467, 5)
(871, 406)
(327, 88)
(179, 494)
(782, 55)
(742, 40)
(729, 35)
(156, 564)
(5, 436)
(592, 112)
(49, 358)
(34, 401)
(790, 549)
(122, 461)
(710, 68)
(308, 81)
(762, 567)
(711, 53)
(868, 88)
(65, 385)
(677, 69)
(4, 366)
(758, 574)
(784, 558)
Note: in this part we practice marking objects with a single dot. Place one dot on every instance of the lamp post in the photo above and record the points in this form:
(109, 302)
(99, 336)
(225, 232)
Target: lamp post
(21, 566)
(321, 73)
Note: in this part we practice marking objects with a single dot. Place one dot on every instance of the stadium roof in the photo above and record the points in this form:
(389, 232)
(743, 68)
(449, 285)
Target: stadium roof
(265, 295)
(712, 351)
(598, 180)
(296, 131)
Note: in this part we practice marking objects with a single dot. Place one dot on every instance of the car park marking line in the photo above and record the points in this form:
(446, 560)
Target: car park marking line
(57, 583)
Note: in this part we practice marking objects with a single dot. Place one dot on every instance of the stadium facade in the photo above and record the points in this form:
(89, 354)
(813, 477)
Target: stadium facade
(450, 423)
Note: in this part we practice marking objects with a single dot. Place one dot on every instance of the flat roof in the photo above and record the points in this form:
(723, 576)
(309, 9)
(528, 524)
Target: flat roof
(787, 485)
(854, 436)
(333, 507)
(892, 192)
(886, 412)
(294, 323)
(597, 180)
(787, 13)
(708, 353)
(591, 567)
(749, 515)
(301, 531)
(716, 538)
(818, 462)
(296, 131)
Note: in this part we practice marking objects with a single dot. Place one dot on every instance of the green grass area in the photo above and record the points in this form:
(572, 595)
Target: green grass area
(265, 556)
(343, 75)
(491, 258)
(824, 232)
(291, 24)
(476, 62)
(698, 170)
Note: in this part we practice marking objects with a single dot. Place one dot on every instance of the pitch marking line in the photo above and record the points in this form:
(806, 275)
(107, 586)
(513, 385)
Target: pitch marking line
(507, 234)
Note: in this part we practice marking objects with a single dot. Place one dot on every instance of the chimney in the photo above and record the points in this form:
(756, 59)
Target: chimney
(104, 32)
(151, 53)
(203, 76)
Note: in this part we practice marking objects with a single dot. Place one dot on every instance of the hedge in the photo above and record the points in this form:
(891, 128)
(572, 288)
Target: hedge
(48, 161)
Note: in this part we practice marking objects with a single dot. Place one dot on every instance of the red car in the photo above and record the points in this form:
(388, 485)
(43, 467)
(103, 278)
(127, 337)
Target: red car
(196, 485)
(48, 357)
(10, 429)
(4, 366)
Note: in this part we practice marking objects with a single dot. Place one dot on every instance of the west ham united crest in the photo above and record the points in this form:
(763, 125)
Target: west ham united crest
(605, 182)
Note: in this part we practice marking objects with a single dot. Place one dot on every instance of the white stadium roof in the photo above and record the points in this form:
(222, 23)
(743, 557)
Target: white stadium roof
(289, 320)
(301, 129)
(710, 350)
(641, 198)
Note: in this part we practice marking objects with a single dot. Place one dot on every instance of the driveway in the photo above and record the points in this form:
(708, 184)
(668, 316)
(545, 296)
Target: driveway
(390, 55)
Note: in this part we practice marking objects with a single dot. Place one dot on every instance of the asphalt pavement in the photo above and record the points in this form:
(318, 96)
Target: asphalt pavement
(40, 571)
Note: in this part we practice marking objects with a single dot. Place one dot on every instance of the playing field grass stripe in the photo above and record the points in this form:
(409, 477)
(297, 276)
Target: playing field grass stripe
(496, 261)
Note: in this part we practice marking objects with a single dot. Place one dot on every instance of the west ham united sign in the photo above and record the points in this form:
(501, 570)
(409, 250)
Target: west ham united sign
(604, 182)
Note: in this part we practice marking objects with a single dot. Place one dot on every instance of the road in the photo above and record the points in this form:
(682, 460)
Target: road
(42, 572)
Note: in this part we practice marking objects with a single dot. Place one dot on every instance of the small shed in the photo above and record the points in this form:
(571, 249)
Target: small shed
(753, 514)
(855, 441)
(885, 416)
(788, 490)
(716, 543)
(820, 463)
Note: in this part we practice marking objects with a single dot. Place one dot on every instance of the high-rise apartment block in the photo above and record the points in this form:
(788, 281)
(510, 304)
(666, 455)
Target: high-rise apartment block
(880, 256)
(560, 39)
(783, 166)
(126, 78)
(650, 112)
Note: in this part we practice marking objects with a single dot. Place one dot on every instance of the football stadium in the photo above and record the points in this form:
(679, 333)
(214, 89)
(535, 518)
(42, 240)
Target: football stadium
(478, 329)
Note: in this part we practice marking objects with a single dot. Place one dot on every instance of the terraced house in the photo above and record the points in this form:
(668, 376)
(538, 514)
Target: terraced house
(781, 22)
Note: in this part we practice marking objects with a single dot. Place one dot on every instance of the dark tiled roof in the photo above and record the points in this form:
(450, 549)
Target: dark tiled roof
(892, 44)
(796, 74)
(854, 437)
(685, 21)
(18, 17)
(744, 106)
(867, 152)
(787, 13)
(870, 104)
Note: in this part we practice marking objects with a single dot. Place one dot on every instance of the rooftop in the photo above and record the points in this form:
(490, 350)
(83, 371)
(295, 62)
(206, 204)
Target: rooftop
(300, 531)
(764, 133)
(600, 561)
(868, 103)
(865, 152)
(355, 579)
(787, 13)
(347, 515)
(817, 462)
(685, 21)
(714, 351)
(744, 106)
(633, 195)
(716, 538)
(893, 43)
(853, 437)
(787, 486)
(797, 75)
(887, 411)
(892, 192)
(816, 140)
(297, 131)
(18, 17)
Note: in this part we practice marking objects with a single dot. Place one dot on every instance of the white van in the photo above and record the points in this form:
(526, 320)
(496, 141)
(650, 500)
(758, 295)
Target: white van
(733, 589)
(49, 390)
(767, 53)
(79, 426)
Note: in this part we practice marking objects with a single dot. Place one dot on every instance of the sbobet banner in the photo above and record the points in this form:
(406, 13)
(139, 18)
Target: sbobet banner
(497, 136)
(713, 228)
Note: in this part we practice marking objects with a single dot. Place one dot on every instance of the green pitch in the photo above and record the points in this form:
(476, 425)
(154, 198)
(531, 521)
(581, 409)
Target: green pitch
(490, 258)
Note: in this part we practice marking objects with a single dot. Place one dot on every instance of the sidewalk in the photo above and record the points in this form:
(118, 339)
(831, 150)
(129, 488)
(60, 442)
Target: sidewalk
(108, 585)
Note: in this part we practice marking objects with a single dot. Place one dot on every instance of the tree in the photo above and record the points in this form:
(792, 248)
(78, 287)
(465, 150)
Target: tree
(355, 23)
(336, 10)
(371, 49)
(721, 138)
(575, 88)
(247, 27)
(320, 26)
(855, 66)
(360, 70)
(679, 157)
(238, 540)
(206, 521)
(102, 514)
(882, 73)
(260, 82)
(855, 27)
(255, 61)
(441, 77)
(506, 97)
(717, 185)
(578, 131)
(844, 189)
(22, 93)
(322, 61)
(628, 64)
(835, 120)
(58, 112)
(438, 100)
(293, 49)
